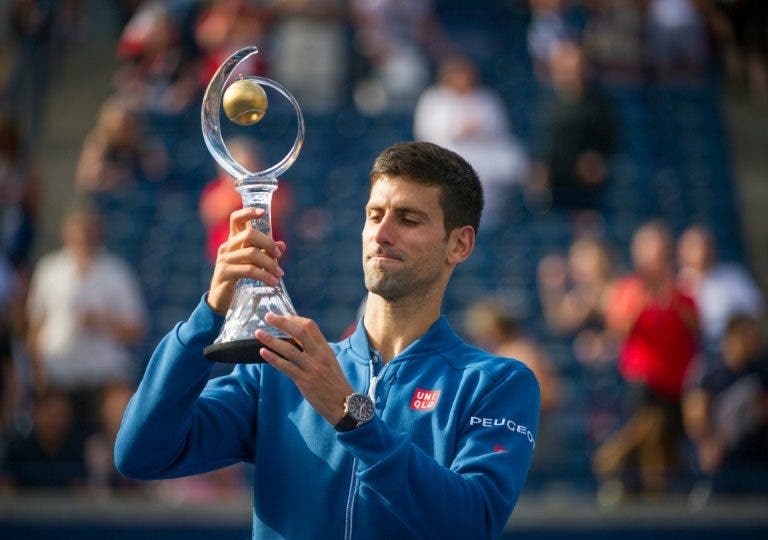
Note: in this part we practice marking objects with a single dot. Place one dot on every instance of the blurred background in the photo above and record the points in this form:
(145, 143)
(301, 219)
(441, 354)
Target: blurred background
(622, 149)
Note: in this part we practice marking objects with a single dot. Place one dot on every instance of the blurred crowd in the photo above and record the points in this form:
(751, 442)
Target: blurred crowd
(677, 331)
(682, 332)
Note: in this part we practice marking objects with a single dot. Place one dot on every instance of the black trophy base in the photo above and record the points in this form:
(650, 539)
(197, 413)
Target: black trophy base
(243, 351)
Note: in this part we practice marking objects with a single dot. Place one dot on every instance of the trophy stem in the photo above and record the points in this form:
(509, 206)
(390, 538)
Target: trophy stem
(259, 196)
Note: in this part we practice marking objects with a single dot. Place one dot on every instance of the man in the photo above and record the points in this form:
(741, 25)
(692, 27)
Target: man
(461, 114)
(575, 136)
(658, 329)
(721, 289)
(726, 412)
(51, 454)
(399, 431)
(85, 312)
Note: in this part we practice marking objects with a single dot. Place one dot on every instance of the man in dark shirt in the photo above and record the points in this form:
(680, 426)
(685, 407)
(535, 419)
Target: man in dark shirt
(576, 135)
(51, 456)
(726, 414)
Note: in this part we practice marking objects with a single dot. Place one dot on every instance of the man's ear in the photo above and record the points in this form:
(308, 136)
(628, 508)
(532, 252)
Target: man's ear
(461, 242)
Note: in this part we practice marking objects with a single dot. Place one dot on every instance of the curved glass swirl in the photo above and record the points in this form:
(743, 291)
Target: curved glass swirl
(210, 119)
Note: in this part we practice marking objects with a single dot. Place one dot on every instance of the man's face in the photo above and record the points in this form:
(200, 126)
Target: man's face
(651, 254)
(404, 240)
(81, 234)
(695, 250)
(741, 345)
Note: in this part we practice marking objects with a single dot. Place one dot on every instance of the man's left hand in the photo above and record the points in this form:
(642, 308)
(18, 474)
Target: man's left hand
(313, 367)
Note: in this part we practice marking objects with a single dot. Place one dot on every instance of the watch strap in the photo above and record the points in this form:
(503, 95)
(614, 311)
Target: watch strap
(352, 417)
(347, 423)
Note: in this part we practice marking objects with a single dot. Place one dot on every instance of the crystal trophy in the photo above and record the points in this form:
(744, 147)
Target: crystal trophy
(245, 103)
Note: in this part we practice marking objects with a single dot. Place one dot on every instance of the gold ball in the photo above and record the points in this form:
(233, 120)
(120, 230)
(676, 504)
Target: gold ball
(245, 102)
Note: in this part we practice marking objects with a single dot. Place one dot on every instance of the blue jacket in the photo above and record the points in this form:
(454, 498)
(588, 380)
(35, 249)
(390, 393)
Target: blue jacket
(445, 456)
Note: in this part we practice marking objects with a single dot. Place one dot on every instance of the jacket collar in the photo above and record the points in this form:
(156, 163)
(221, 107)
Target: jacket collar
(439, 336)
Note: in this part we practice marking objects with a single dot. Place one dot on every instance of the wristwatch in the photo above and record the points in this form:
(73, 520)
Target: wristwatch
(358, 409)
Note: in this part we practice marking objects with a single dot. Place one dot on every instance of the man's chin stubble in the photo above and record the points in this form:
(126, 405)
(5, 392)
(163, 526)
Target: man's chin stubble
(388, 288)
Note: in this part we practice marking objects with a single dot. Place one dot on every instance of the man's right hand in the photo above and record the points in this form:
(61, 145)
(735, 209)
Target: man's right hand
(247, 253)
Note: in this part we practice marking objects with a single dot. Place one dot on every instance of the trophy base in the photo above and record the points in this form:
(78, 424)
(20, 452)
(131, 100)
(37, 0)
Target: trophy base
(243, 351)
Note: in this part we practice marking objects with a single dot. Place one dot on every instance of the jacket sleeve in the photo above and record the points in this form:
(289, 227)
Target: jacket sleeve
(472, 498)
(178, 423)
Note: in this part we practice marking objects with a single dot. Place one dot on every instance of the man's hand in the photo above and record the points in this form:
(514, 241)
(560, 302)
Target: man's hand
(123, 329)
(314, 368)
(247, 253)
(590, 168)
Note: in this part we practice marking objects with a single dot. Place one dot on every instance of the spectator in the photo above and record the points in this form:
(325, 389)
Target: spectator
(41, 29)
(677, 38)
(491, 329)
(550, 25)
(573, 295)
(614, 40)
(119, 152)
(461, 115)
(228, 25)
(396, 40)
(658, 327)
(720, 289)
(8, 384)
(103, 478)
(85, 309)
(19, 201)
(51, 455)
(19, 198)
(219, 198)
(727, 413)
(575, 139)
(742, 30)
(158, 74)
(310, 52)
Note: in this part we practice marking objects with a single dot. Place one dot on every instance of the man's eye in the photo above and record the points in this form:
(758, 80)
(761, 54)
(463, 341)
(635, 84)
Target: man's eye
(374, 217)
(410, 222)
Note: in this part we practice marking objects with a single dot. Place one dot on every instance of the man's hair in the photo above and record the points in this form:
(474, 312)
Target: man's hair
(740, 321)
(461, 194)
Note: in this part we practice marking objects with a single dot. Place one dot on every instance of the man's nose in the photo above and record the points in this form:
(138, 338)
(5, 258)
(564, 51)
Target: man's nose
(384, 232)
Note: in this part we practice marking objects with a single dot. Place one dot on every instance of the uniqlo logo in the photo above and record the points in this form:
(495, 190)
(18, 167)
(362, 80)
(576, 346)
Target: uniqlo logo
(424, 400)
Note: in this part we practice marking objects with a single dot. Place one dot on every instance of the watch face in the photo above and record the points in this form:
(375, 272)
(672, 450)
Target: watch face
(360, 407)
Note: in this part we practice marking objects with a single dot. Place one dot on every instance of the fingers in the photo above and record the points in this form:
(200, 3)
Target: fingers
(284, 356)
(252, 237)
(305, 331)
(315, 370)
(247, 262)
(284, 349)
(239, 219)
(254, 257)
(242, 233)
(234, 272)
(247, 253)
(279, 363)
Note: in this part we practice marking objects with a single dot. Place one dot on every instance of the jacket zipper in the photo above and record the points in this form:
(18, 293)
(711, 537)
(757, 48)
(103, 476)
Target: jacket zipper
(351, 502)
(373, 382)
